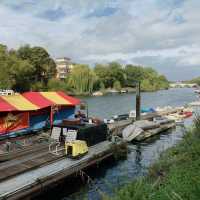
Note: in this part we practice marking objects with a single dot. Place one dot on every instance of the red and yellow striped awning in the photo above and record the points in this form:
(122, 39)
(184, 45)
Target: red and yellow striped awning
(35, 100)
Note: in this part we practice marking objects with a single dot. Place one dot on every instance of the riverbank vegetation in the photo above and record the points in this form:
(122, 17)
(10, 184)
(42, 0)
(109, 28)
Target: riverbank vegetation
(32, 68)
(175, 176)
(195, 80)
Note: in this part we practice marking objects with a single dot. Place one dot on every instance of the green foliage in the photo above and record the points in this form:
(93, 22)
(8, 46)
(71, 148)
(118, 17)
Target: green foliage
(149, 78)
(25, 69)
(14, 72)
(109, 73)
(195, 80)
(38, 86)
(176, 175)
(82, 79)
(102, 86)
(32, 68)
(55, 85)
(117, 85)
(38, 57)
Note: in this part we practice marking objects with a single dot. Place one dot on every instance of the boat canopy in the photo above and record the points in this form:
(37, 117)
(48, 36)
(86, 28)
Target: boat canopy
(31, 101)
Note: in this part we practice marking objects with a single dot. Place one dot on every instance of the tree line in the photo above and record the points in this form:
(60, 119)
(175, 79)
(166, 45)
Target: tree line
(32, 68)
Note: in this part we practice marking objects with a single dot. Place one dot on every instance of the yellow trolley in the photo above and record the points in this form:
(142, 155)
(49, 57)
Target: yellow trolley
(76, 148)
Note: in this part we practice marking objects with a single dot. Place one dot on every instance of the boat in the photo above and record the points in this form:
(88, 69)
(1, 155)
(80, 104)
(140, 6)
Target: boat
(194, 103)
(197, 91)
(97, 94)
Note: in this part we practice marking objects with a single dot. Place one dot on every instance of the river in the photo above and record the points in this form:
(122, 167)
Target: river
(111, 175)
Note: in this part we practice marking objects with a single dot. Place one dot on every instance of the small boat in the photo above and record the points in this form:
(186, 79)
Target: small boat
(148, 110)
(197, 91)
(123, 91)
(187, 114)
(194, 103)
(97, 94)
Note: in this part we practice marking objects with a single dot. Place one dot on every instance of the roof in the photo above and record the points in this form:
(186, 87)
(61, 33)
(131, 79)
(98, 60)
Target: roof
(35, 100)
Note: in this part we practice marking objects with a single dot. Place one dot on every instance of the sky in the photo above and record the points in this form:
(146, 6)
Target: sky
(163, 34)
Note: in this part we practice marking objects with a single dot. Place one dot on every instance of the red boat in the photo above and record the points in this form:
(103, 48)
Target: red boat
(187, 114)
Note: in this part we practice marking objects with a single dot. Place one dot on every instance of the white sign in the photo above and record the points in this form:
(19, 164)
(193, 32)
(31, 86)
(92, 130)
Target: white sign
(55, 134)
(71, 135)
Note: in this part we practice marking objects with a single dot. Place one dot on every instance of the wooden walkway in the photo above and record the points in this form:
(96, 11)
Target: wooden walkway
(19, 186)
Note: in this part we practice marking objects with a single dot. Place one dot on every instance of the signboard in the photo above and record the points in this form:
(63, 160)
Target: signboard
(70, 135)
(55, 134)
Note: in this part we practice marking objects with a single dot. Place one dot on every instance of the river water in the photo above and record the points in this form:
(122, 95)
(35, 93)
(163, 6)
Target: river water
(111, 175)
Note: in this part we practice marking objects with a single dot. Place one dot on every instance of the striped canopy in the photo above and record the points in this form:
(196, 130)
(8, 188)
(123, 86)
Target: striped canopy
(35, 100)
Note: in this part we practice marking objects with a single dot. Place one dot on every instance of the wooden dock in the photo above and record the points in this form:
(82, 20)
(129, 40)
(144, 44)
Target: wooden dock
(22, 177)
(117, 127)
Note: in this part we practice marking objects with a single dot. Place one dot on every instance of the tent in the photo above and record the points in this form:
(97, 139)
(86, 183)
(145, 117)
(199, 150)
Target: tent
(32, 111)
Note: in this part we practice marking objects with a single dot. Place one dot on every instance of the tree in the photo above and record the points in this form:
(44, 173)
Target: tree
(109, 73)
(117, 73)
(20, 72)
(82, 79)
(14, 72)
(104, 75)
(134, 73)
(55, 85)
(5, 82)
(44, 65)
(117, 86)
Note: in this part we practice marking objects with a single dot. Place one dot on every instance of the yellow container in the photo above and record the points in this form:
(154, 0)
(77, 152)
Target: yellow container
(76, 148)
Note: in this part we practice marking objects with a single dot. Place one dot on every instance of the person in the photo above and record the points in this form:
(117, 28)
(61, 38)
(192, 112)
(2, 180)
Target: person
(80, 115)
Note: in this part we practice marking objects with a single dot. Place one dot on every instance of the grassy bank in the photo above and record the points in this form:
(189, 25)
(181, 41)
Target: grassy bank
(175, 176)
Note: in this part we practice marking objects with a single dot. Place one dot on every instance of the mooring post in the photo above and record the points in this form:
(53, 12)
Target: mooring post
(138, 100)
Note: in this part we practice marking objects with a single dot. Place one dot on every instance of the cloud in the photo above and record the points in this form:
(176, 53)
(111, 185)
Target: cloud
(53, 14)
(162, 34)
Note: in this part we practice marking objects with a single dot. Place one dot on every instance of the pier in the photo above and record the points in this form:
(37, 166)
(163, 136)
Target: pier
(36, 177)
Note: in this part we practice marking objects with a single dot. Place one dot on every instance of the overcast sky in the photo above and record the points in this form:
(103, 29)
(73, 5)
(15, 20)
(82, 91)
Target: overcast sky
(164, 34)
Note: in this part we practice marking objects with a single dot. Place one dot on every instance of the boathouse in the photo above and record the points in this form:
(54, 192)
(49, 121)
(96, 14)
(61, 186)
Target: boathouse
(33, 111)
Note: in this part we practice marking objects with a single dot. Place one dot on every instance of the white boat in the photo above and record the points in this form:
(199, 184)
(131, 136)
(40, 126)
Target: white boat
(194, 103)
(197, 91)
(97, 93)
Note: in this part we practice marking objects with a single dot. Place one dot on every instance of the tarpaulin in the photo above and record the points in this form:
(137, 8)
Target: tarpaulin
(19, 102)
(44, 99)
(31, 101)
(13, 122)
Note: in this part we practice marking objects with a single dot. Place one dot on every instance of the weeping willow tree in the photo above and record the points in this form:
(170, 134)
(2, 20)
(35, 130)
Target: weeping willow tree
(82, 79)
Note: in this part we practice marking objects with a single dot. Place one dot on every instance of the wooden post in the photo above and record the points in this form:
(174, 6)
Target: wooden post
(138, 101)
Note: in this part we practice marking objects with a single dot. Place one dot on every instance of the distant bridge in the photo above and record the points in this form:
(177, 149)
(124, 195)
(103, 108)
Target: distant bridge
(183, 85)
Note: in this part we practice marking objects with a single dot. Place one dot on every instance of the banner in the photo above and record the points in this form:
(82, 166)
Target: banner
(13, 122)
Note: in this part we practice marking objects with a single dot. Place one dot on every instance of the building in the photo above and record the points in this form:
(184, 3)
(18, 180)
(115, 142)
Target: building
(64, 67)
